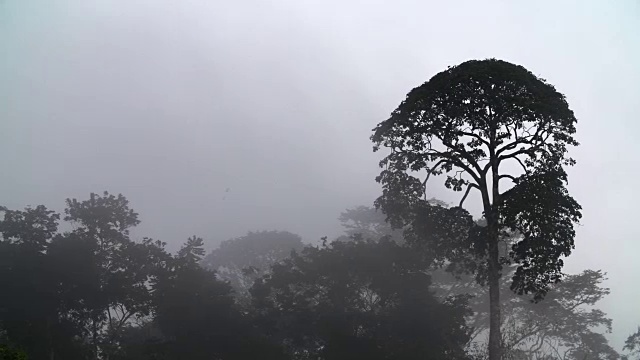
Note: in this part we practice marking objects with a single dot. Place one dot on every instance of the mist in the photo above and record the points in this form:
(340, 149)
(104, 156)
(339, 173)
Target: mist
(219, 118)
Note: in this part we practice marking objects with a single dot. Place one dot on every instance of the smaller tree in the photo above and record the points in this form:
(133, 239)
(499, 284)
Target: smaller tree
(632, 344)
(28, 304)
(115, 287)
(192, 251)
(33, 227)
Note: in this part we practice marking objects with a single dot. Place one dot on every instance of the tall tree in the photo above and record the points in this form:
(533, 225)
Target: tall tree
(472, 122)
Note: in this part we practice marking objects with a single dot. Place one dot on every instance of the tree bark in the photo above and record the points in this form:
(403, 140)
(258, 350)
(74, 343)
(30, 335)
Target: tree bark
(495, 337)
(493, 232)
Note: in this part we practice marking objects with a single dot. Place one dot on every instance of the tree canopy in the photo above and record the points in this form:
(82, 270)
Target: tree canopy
(359, 300)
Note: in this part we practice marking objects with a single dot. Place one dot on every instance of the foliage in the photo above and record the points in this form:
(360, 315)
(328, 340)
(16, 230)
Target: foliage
(632, 344)
(7, 353)
(117, 290)
(467, 123)
(565, 321)
(565, 324)
(358, 300)
(93, 293)
(69, 295)
(195, 317)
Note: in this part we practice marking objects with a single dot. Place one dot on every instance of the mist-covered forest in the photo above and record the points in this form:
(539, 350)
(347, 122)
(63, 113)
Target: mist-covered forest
(412, 277)
(319, 180)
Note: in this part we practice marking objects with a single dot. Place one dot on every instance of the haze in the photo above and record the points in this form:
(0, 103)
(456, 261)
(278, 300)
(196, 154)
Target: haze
(216, 118)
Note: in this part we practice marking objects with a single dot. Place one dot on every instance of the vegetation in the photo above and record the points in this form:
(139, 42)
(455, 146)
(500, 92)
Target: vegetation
(410, 279)
(470, 122)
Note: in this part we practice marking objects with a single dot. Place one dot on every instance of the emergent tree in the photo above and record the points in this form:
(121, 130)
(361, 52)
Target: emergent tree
(471, 122)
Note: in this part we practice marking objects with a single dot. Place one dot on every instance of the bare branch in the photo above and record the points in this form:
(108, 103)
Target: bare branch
(475, 136)
(535, 141)
(429, 172)
(513, 178)
(466, 193)
(524, 168)
(459, 163)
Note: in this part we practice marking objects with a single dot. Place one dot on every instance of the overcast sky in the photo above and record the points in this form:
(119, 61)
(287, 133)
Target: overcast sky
(173, 102)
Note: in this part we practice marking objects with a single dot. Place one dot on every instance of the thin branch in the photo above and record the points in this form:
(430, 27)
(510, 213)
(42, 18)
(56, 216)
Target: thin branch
(459, 163)
(524, 168)
(429, 172)
(523, 151)
(513, 178)
(466, 193)
(475, 136)
(543, 337)
(534, 330)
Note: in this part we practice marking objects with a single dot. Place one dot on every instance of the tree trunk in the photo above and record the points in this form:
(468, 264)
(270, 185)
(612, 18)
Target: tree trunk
(495, 337)
(493, 232)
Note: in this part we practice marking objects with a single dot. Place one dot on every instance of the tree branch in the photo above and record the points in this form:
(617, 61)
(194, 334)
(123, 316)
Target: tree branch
(475, 136)
(466, 193)
(429, 172)
(458, 163)
(513, 178)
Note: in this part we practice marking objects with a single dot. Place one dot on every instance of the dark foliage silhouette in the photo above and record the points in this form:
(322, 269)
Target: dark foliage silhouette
(358, 300)
(470, 122)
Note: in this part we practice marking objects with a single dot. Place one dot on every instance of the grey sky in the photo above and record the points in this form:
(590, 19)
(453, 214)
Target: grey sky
(172, 102)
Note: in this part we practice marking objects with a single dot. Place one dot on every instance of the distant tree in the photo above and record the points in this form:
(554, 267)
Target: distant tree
(368, 223)
(564, 325)
(632, 344)
(242, 260)
(468, 122)
(192, 251)
(358, 300)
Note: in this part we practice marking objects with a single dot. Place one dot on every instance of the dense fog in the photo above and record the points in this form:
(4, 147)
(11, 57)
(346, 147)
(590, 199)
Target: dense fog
(249, 122)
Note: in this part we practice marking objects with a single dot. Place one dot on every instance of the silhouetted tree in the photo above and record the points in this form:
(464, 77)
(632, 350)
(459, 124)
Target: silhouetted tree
(118, 290)
(358, 300)
(29, 304)
(632, 344)
(196, 317)
(468, 122)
